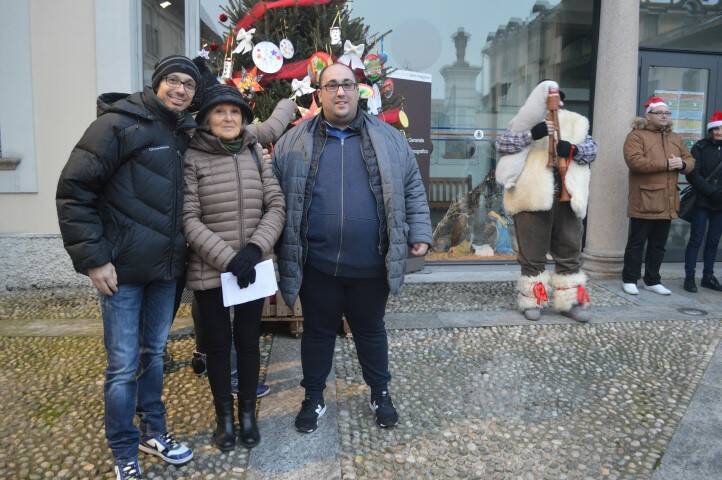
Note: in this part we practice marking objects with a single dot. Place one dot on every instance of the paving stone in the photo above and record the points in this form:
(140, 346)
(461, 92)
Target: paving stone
(500, 402)
(51, 389)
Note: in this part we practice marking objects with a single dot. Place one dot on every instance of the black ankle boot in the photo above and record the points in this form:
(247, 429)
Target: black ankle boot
(689, 284)
(224, 437)
(709, 281)
(249, 436)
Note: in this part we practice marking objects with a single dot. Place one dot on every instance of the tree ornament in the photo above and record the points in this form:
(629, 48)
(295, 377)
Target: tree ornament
(307, 113)
(247, 82)
(317, 62)
(227, 69)
(301, 87)
(223, 18)
(245, 41)
(387, 88)
(335, 34)
(287, 49)
(374, 103)
(352, 55)
(395, 117)
(374, 67)
(267, 57)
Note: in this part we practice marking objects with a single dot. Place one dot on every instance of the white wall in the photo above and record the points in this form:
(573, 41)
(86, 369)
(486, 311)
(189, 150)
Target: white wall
(62, 62)
(16, 97)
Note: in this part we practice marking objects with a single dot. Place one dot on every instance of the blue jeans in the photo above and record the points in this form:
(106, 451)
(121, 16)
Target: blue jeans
(701, 218)
(136, 322)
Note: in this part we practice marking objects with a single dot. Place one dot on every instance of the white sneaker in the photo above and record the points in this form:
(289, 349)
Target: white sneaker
(630, 288)
(659, 289)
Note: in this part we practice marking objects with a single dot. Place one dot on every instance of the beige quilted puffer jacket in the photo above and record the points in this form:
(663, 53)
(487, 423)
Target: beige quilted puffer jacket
(228, 202)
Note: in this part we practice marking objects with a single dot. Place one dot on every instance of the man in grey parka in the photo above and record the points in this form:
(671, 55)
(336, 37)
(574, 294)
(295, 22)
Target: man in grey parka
(356, 207)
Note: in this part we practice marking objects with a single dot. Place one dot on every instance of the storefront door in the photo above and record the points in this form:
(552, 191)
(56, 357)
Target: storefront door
(691, 85)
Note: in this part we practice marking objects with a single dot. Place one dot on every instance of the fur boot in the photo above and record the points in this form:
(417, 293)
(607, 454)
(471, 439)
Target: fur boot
(569, 290)
(532, 291)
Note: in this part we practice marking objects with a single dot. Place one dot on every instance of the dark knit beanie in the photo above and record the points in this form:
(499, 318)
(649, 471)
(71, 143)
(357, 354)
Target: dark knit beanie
(174, 64)
(219, 93)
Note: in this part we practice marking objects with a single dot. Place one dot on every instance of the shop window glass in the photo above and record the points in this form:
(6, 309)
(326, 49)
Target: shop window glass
(484, 58)
(163, 32)
(681, 24)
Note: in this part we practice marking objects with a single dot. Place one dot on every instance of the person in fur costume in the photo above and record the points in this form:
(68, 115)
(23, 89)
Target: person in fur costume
(531, 195)
(655, 156)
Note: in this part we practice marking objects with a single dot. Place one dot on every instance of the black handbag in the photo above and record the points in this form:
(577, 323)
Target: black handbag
(688, 197)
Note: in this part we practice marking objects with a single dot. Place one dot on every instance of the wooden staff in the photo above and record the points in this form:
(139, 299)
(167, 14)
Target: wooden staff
(562, 164)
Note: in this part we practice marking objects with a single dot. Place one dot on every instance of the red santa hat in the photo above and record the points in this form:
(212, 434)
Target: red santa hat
(715, 120)
(654, 102)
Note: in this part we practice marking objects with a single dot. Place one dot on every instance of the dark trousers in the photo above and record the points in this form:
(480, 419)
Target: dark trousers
(215, 329)
(324, 299)
(557, 231)
(701, 219)
(654, 234)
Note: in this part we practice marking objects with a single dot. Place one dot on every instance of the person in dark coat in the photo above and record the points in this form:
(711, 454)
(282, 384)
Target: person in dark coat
(120, 201)
(355, 209)
(707, 215)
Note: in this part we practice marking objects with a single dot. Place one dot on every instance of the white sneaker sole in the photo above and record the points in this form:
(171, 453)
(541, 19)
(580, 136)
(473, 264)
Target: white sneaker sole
(172, 461)
(665, 293)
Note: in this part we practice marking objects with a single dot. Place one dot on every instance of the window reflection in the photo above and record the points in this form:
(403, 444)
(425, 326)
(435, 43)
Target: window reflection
(163, 33)
(681, 25)
(484, 58)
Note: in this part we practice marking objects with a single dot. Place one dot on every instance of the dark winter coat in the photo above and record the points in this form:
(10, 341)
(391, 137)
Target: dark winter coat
(707, 154)
(406, 210)
(120, 196)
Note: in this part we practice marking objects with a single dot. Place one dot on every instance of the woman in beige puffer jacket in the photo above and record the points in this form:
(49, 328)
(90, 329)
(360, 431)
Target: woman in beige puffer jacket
(233, 214)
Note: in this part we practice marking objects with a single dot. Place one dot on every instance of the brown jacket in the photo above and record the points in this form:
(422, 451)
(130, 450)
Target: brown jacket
(653, 192)
(228, 202)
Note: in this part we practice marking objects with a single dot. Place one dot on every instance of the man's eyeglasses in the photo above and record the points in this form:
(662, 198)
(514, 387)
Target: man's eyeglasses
(332, 87)
(659, 114)
(175, 82)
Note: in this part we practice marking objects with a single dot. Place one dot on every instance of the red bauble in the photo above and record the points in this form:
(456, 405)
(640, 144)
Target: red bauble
(223, 18)
(213, 47)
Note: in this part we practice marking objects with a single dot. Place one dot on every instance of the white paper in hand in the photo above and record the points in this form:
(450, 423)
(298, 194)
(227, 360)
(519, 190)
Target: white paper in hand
(264, 286)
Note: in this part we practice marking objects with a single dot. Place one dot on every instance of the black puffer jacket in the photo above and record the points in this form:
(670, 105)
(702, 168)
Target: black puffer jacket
(707, 154)
(120, 196)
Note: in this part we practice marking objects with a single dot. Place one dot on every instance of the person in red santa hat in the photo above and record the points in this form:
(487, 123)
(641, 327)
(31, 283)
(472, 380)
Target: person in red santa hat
(655, 156)
(706, 217)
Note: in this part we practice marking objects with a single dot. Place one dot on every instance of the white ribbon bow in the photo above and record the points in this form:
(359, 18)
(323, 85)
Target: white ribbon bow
(244, 39)
(301, 87)
(352, 55)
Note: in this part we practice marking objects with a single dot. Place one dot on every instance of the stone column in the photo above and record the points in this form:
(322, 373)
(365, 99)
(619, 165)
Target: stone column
(615, 102)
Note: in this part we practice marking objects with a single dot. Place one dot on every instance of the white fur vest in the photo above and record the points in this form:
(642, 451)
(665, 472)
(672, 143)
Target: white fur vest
(534, 189)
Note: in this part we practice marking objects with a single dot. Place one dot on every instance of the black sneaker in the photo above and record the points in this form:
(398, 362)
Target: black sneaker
(710, 281)
(198, 363)
(311, 410)
(383, 407)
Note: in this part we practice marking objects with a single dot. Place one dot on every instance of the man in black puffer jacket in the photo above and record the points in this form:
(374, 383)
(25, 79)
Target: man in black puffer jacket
(119, 202)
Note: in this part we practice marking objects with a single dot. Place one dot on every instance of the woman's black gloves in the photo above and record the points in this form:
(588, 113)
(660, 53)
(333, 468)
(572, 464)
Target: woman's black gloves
(242, 265)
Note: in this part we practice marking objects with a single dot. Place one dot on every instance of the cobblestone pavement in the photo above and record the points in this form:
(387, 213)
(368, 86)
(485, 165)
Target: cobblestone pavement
(533, 402)
(82, 303)
(51, 390)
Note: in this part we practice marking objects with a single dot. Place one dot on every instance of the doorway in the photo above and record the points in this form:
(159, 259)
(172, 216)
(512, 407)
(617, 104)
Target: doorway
(690, 84)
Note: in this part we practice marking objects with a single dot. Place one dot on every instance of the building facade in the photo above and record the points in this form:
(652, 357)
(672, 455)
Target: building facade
(484, 58)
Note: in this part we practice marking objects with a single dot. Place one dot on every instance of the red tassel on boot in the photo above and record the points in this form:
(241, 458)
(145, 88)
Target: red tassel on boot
(540, 293)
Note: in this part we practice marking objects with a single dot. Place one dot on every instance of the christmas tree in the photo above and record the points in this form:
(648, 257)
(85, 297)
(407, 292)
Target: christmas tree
(319, 32)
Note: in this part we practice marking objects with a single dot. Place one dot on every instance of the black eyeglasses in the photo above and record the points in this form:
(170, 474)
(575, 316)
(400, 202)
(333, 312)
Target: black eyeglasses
(659, 114)
(332, 87)
(175, 82)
